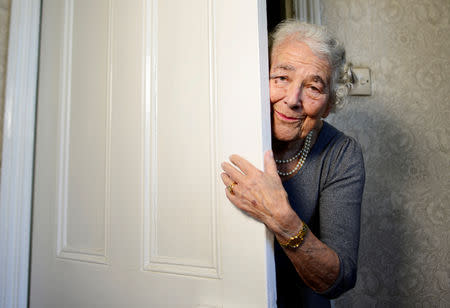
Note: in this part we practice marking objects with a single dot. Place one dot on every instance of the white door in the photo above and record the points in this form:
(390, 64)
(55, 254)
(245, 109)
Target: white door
(139, 102)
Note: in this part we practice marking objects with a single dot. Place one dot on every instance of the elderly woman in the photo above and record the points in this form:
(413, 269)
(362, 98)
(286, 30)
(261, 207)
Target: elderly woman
(310, 192)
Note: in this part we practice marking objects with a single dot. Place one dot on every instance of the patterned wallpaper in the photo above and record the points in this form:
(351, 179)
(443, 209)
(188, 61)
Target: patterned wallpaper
(4, 30)
(404, 129)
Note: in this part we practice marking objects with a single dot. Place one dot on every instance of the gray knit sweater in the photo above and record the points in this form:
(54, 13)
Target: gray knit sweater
(326, 194)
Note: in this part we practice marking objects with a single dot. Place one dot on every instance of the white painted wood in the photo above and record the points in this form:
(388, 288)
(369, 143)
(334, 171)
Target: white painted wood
(139, 102)
(18, 148)
(85, 126)
(194, 176)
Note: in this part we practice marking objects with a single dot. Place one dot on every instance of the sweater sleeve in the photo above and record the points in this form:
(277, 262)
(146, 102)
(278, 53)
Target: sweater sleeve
(341, 191)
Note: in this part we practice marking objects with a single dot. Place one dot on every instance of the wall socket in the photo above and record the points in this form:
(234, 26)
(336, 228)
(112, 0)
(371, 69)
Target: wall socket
(363, 83)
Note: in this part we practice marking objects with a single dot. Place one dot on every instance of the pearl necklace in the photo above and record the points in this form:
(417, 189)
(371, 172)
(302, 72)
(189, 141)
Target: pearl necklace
(303, 153)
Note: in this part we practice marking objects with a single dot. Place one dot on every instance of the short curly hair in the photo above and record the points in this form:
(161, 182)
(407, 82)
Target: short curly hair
(322, 43)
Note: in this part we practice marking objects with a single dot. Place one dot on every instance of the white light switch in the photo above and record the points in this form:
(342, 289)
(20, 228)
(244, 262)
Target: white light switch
(362, 84)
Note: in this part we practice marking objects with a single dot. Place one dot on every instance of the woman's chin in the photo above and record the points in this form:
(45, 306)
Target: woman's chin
(286, 132)
(286, 137)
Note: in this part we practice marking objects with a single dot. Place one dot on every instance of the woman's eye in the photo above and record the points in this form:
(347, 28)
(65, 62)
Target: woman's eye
(313, 92)
(314, 89)
(279, 78)
(280, 81)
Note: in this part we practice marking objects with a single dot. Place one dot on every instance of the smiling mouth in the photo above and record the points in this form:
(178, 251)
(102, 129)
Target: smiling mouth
(286, 118)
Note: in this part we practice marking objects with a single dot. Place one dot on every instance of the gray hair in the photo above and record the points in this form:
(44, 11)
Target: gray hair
(323, 45)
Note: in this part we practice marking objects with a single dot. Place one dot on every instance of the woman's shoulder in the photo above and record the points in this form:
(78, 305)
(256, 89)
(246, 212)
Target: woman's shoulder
(341, 156)
(332, 139)
(336, 150)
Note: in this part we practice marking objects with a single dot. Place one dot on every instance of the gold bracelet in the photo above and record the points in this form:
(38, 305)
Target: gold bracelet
(296, 240)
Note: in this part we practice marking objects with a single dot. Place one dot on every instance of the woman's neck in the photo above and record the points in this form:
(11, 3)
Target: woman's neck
(283, 150)
(286, 149)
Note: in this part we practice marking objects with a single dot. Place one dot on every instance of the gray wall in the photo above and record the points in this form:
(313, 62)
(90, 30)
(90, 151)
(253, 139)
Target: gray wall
(404, 129)
(4, 31)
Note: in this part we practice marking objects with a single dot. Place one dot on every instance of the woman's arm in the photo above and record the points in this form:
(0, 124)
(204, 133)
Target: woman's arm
(316, 263)
(261, 195)
(328, 265)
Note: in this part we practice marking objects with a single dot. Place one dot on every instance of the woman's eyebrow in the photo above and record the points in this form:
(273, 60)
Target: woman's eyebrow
(285, 67)
(316, 78)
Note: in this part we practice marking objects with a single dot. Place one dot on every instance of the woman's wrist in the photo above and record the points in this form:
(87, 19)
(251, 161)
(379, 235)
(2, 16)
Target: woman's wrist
(288, 225)
(286, 234)
(295, 241)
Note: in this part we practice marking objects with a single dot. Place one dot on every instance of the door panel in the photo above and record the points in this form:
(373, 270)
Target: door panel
(184, 152)
(84, 147)
(139, 102)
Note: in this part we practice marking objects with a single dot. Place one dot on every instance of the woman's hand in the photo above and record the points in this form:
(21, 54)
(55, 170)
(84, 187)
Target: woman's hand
(261, 194)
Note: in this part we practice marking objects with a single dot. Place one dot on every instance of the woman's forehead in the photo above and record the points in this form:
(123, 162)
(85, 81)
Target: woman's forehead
(293, 56)
(295, 51)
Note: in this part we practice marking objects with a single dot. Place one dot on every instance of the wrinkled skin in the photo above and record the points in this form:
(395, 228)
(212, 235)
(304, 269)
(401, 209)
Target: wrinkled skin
(299, 82)
(298, 91)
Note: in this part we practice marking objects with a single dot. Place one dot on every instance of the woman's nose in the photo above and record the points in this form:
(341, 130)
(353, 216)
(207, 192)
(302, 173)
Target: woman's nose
(293, 97)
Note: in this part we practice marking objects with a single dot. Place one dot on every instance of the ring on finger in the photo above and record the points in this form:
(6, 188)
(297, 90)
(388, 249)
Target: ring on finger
(230, 188)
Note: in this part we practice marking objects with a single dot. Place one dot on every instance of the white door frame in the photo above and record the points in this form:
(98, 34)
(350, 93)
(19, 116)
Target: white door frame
(18, 152)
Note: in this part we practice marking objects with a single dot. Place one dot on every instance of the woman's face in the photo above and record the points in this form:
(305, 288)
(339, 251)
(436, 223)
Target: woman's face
(299, 90)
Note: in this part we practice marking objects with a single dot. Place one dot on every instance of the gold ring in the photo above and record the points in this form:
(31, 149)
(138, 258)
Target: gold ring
(230, 188)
